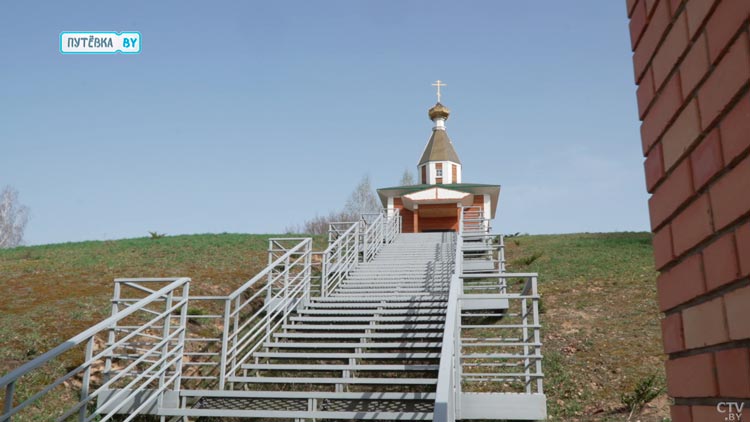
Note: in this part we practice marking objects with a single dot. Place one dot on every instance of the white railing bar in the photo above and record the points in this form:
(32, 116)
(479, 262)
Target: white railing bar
(84, 336)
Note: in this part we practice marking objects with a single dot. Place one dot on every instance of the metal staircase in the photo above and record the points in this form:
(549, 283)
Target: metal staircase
(397, 326)
(367, 351)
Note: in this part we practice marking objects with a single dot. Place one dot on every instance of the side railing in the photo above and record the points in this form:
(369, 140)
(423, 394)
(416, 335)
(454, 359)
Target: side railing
(501, 350)
(472, 220)
(393, 224)
(492, 337)
(448, 387)
(200, 364)
(340, 257)
(260, 306)
(138, 351)
(378, 229)
(372, 234)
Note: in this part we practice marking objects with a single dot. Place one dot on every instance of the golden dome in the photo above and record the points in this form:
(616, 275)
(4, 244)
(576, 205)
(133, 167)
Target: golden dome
(439, 111)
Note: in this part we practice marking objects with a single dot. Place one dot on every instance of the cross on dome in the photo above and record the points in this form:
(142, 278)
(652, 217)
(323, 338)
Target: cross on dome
(438, 84)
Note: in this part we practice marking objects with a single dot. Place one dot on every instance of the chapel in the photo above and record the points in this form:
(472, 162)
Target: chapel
(434, 204)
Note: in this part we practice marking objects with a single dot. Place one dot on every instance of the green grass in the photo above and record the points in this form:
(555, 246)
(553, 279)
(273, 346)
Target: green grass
(52, 292)
(601, 322)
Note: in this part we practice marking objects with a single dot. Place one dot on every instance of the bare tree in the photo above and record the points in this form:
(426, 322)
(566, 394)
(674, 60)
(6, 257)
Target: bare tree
(407, 179)
(13, 218)
(362, 199)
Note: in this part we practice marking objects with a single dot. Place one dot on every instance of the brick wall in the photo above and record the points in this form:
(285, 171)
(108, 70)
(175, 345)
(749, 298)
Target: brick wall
(692, 66)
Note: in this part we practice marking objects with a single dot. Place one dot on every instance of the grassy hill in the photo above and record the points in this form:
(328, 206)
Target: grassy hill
(601, 323)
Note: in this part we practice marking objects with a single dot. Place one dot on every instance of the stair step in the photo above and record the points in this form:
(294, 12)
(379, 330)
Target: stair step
(331, 367)
(403, 318)
(415, 334)
(322, 380)
(301, 415)
(339, 327)
(352, 345)
(406, 311)
(309, 395)
(339, 355)
(378, 304)
(403, 301)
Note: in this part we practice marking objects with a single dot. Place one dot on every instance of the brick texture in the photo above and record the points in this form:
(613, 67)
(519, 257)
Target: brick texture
(704, 324)
(692, 225)
(738, 313)
(743, 248)
(681, 135)
(692, 66)
(733, 371)
(706, 159)
(662, 112)
(654, 166)
(681, 283)
(692, 376)
(695, 65)
(730, 195)
(675, 191)
(720, 262)
(671, 329)
(681, 414)
(725, 22)
(735, 130)
(662, 247)
(730, 75)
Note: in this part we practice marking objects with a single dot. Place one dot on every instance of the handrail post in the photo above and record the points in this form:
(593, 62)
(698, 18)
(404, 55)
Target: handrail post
(324, 275)
(166, 328)
(183, 334)
(502, 253)
(356, 239)
(10, 390)
(308, 269)
(235, 330)
(86, 379)
(364, 243)
(537, 335)
(224, 344)
(111, 335)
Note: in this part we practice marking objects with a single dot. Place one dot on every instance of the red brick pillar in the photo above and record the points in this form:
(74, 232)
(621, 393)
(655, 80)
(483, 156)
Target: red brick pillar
(692, 67)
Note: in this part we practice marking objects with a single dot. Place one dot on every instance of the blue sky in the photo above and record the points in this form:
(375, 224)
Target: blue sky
(251, 116)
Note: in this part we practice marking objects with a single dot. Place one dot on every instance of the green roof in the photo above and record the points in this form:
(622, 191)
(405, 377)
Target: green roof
(453, 186)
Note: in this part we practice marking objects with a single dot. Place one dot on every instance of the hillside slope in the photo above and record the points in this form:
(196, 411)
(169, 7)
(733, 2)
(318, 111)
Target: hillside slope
(601, 321)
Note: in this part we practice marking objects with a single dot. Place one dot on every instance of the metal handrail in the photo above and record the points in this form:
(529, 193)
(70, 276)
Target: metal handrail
(373, 237)
(170, 344)
(448, 389)
(459, 370)
(339, 258)
(245, 328)
(153, 357)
